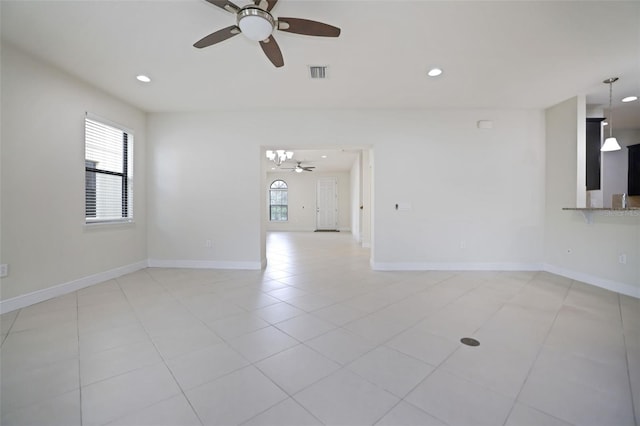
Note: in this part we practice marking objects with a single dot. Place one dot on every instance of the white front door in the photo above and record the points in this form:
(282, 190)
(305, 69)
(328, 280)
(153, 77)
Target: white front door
(327, 204)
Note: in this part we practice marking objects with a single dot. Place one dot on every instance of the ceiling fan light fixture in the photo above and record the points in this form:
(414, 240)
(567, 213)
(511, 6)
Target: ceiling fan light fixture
(299, 169)
(256, 24)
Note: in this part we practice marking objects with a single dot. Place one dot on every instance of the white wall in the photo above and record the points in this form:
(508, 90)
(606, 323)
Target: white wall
(476, 196)
(44, 239)
(206, 171)
(302, 200)
(574, 248)
(485, 187)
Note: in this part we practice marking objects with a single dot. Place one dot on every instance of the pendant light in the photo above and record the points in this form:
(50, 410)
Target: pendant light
(610, 143)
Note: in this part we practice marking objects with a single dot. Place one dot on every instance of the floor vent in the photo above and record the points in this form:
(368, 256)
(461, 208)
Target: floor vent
(469, 341)
(318, 72)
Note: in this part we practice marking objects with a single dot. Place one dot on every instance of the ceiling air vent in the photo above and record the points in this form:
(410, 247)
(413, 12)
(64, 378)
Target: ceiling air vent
(318, 72)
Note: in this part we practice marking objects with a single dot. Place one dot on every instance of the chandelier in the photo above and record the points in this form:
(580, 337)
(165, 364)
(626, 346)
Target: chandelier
(279, 156)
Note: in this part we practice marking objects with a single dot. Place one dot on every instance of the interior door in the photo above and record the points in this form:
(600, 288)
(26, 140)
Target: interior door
(327, 204)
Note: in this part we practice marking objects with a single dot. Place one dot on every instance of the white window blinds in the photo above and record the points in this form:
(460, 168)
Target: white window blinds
(108, 172)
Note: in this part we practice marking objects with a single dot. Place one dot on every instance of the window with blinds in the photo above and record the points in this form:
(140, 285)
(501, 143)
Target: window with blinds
(278, 201)
(108, 172)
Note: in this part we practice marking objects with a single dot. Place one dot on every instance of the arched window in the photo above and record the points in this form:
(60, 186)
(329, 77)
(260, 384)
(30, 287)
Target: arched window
(278, 201)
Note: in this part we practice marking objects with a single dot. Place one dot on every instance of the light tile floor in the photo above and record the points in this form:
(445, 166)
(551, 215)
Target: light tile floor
(318, 338)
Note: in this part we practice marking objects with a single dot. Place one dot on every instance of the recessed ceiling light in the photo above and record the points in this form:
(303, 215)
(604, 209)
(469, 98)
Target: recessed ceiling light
(434, 72)
(143, 78)
(630, 99)
(324, 156)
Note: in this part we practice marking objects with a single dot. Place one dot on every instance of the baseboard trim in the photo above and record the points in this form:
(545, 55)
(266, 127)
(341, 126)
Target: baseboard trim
(614, 286)
(292, 230)
(454, 266)
(38, 296)
(618, 287)
(305, 230)
(204, 264)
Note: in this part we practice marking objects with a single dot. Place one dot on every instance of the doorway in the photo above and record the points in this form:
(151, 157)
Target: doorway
(327, 204)
(335, 195)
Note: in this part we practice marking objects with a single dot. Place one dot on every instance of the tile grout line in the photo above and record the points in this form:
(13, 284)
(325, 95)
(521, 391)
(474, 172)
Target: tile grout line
(11, 326)
(626, 356)
(164, 361)
(454, 373)
(375, 345)
(254, 365)
(341, 366)
(250, 362)
(555, 318)
(436, 367)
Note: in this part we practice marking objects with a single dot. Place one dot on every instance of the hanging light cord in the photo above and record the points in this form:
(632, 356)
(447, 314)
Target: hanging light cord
(610, 109)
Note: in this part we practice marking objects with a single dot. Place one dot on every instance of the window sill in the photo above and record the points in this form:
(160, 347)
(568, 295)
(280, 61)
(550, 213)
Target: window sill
(99, 224)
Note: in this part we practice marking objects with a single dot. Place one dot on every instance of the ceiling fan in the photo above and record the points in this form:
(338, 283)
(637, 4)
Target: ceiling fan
(256, 23)
(299, 168)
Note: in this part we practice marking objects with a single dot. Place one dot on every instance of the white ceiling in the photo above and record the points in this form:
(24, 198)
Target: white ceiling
(513, 54)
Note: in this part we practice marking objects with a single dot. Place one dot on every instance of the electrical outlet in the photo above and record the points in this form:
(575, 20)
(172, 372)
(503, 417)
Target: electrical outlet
(463, 244)
(209, 244)
(4, 270)
(622, 259)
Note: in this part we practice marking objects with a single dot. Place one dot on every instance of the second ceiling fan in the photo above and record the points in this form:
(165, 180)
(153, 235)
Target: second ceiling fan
(256, 23)
(299, 168)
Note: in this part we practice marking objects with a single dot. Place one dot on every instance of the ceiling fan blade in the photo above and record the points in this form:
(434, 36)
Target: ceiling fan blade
(226, 5)
(307, 27)
(270, 3)
(272, 50)
(217, 37)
